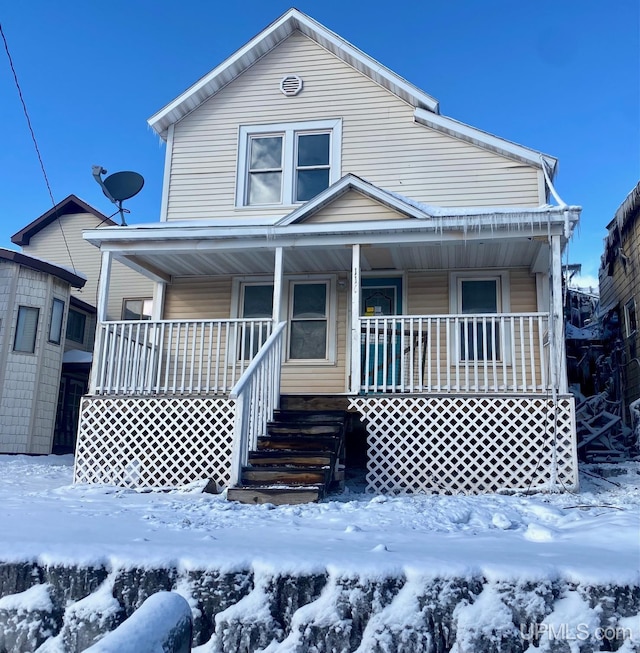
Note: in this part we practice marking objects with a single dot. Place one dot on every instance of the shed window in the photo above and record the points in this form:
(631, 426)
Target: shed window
(26, 329)
(55, 325)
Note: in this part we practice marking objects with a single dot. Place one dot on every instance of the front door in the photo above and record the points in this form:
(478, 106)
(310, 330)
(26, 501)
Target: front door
(381, 354)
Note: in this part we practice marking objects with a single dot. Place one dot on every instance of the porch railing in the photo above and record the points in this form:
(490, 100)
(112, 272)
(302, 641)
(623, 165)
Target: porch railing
(174, 357)
(505, 352)
(257, 395)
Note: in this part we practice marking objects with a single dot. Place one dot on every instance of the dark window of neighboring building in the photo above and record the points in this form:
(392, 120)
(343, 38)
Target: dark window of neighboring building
(26, 329)
(55, 325)
(75, 326)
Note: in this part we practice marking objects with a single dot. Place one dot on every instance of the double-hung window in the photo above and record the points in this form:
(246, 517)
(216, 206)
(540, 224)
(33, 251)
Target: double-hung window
(26, 329)
(630, 318)
(287, 163)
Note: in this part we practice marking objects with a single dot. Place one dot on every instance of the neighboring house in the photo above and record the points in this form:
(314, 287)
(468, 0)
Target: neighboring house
(619, 278)
(56, 236)
(34, 303)
(326, 232)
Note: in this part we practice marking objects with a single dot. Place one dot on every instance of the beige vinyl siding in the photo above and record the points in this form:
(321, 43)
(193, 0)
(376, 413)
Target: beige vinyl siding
(49, 244)
(380, 140)
(354, 207)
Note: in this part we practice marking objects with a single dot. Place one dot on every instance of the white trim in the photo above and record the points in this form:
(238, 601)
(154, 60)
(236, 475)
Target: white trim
(288, 131)
(484, 139)
(166, 177)
(356, 338)
(265, 41)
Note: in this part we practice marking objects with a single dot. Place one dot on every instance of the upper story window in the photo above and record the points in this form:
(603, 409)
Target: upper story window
(287, 163)
(76, 323)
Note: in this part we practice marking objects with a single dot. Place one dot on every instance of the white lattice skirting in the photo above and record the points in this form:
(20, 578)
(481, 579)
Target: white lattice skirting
(154, 441)
(469, 445)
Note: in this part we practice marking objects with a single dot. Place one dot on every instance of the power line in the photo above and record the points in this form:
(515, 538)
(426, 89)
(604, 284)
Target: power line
(35, 143)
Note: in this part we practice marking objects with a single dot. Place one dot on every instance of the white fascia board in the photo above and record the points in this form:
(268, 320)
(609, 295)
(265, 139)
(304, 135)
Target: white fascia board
(482, 138)
(286, 241)
(484, 226)
(265, 41)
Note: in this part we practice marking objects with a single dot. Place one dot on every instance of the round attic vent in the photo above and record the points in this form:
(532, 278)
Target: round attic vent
(291, 85)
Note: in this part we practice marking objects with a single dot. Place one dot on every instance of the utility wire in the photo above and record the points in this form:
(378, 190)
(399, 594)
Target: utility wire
(35, 143)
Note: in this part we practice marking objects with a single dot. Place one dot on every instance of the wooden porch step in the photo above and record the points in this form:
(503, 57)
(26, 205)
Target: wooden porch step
(276, 495)
(293, 442)
(286, 457)
(301, 429)
(308, 416)
(285, 476)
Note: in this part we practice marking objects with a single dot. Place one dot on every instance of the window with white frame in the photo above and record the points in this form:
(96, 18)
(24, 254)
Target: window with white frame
(55, 324)
(630, 318)
(287, 163)
(26, 329)
(473, 296)
(308, 309)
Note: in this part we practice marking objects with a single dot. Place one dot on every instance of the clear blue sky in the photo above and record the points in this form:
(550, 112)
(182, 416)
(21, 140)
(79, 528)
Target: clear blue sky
(562, 77)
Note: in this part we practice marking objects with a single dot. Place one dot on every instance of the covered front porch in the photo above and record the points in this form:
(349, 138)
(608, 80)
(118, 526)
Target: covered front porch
(447, 343)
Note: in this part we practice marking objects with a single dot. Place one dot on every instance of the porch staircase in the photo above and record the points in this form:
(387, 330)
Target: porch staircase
(299, 460)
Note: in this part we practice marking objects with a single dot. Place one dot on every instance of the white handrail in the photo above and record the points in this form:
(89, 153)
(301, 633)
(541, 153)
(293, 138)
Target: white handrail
(256, 396)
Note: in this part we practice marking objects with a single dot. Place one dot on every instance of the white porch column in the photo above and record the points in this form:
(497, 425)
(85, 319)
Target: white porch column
(355, 321)
(558, 358)
(101, 317)
(159, 291)
(277, 285)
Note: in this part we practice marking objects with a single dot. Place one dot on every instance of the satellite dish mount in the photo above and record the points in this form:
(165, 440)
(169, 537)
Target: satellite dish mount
(118, 187)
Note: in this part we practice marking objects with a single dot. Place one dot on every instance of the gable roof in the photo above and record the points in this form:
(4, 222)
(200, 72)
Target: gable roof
(73, 279)
(427, 111)
(68, 206)
(291, 21)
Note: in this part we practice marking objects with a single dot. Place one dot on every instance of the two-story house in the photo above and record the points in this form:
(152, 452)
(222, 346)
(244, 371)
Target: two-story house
(325, 231)
(56, 236)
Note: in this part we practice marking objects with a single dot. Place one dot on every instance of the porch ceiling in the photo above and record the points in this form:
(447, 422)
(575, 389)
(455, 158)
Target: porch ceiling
(423, 256)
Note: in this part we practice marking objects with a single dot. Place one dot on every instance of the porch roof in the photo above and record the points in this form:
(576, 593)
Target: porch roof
(514, 236)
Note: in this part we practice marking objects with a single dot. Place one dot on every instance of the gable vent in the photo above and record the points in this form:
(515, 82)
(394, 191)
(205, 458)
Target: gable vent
(291, 85)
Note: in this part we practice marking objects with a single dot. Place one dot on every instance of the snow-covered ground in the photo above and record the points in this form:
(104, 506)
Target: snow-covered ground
(591, 537)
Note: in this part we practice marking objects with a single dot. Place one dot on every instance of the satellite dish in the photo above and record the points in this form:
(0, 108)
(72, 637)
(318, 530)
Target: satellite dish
(119, 186)
(123, 185)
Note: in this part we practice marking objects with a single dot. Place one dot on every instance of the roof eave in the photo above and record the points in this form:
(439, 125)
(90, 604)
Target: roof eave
(486, 140)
